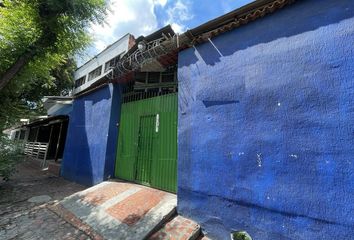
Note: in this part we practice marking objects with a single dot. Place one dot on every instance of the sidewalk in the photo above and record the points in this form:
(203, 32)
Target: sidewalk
(35, 205)
(23, 214)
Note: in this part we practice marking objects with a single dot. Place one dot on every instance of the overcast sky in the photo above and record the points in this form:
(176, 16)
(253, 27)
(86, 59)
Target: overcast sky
(142, 17)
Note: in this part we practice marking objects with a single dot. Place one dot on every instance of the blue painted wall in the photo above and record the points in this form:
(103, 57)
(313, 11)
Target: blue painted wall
(90, 147)
(266, 131)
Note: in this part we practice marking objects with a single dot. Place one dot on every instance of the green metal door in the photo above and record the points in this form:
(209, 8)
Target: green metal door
(151, 156)
(145, 149)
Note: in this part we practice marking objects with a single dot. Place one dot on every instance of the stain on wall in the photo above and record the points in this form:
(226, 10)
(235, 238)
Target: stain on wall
(265, 129)
(90, 149)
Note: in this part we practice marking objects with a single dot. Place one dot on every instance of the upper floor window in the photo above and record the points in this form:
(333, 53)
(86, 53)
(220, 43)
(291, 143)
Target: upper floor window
(111, 63)
(168, 77)
(95, 73)
(153, 77)
(80, 81)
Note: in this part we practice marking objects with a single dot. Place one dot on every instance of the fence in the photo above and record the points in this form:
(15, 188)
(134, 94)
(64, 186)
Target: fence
(37, 150)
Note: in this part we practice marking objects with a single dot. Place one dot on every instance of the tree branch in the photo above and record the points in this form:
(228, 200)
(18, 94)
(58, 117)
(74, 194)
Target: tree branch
(20, 63)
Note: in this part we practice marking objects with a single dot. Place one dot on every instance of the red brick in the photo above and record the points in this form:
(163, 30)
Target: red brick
(190, 230)
(185, 236)
(134, 207)
(158, 236)
(178, 228)
(103, 194)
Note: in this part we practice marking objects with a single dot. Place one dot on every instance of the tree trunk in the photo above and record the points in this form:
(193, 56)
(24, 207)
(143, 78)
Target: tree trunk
(11, 72)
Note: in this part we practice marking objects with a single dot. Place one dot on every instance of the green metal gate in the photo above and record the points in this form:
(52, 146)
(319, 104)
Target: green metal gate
(145, 148)
(147, 143)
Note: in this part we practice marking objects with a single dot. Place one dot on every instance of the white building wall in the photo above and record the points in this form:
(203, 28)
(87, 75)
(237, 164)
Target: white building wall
(12, 135)
(119, 47)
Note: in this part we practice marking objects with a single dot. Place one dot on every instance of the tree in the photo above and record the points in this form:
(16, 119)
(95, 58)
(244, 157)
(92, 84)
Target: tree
(32, 29)
(10, 155)
(38, 39)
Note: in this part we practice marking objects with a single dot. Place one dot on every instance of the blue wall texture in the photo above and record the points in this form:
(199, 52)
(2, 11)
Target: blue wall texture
(266, 126)
(90, 147)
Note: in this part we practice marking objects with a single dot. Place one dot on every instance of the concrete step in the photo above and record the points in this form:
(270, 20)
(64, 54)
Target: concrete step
(117, 210)
(177, 228)
(203, 238)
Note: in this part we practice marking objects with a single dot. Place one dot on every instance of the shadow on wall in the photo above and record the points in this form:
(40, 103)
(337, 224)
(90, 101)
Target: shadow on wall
(264, 30)
(265, 133)
(113, 132)
(85, 150)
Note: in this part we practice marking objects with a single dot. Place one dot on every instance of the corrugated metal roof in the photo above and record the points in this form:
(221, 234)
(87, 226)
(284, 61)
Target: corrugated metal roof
(236, 18)
(47, 120)
(202, 33)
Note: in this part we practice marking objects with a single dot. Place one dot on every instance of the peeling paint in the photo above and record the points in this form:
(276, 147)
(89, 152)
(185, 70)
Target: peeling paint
(259, 159)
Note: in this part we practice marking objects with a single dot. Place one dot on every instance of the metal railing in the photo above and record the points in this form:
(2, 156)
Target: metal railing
(37, 150)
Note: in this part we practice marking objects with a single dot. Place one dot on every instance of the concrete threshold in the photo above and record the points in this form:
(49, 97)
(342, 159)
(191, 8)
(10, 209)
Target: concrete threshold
(117, 210)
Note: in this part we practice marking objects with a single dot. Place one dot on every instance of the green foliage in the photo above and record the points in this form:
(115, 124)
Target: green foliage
(22, 98)
(10, 156)
(18, 30)
(240, 235)
(47, 33)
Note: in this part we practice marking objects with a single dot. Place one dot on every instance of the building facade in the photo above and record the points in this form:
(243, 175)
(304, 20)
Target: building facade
(97, 69)
(265, 133)
(92, 136)
(260, 103)
(124, 122)
(90, 151)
